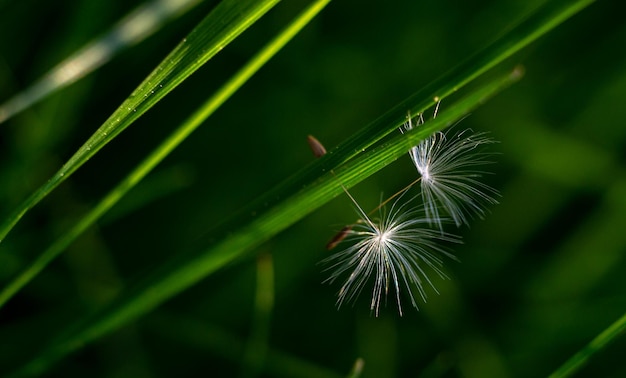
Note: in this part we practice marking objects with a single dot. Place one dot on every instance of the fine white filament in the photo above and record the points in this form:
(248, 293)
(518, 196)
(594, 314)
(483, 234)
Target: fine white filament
(398, 248)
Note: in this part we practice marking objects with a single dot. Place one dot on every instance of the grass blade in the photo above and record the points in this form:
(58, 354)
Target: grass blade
(167, 146)
(132, 29)
(525, 32)
(529, 29)
(228, 20)
(174, 277)
(579, 359)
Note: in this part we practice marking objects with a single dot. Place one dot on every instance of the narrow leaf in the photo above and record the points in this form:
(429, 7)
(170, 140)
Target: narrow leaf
(228, 20)
(132, 29)
(574, 363)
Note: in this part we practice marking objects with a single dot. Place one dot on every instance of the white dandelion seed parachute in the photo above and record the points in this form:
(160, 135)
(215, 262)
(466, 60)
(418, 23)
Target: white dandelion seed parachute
(398, 249)
(448, 164)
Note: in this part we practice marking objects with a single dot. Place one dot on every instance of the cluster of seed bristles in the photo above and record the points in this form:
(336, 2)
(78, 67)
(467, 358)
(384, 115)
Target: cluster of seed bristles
(400, 246)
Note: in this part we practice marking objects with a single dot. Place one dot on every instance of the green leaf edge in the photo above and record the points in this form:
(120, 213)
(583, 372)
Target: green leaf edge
(578, 360)
(228, 20)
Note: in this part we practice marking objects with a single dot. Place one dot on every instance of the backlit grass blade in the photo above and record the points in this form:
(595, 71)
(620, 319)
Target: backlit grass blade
(251, 228)
(540, 22)
(529, 29)
(167, 146)
(228, 20)
(132, 29)
(575, 362)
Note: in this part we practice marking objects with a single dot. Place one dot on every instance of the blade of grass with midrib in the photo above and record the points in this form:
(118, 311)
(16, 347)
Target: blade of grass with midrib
(529, 29)
(228, 20)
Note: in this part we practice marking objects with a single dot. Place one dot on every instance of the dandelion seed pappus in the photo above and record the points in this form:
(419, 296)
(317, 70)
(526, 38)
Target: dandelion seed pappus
(447, 164)
(394, 250)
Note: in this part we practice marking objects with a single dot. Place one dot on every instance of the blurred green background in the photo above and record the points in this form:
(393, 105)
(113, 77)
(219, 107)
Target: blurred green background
(538, 279)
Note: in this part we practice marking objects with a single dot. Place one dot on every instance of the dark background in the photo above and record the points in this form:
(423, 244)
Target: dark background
(539, 278)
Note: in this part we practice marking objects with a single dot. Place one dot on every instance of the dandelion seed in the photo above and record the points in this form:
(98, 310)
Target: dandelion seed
(317, 148)
(338, 237)
(398, 249)
(447, 163)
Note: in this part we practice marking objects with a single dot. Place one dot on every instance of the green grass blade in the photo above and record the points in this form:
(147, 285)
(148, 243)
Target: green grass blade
(255, 228)
(228, 20)
(257, 346)
(132, 29)
(579, 359)
(535, 25)
(167, 146)
(525, 32)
